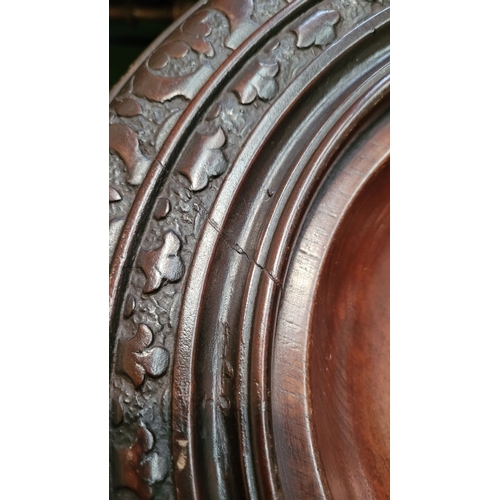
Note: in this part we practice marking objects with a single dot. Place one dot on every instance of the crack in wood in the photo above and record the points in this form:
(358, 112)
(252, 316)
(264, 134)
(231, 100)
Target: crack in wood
(204, 213)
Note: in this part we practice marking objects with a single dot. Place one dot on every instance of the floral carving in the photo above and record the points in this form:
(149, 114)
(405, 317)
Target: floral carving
(137, 359)
(116, 410)
(128, 108)
(206, 160)
(123, 140)
(136, 468)
(317, 29)
(162, 265)
(130, 305)
(214, 112)
(160, 89)
(257, 80)
(231, 121)
(114, 195)
(162, 208)
(191, 35)
(239, 14)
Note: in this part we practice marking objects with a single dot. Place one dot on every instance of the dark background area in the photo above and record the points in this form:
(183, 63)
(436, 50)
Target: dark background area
(133, 25)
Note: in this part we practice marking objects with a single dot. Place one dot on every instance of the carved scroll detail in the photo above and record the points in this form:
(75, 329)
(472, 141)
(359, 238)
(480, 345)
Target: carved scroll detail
(206, 160)
(135, 470)
(191, 35)
(162, 208)
(114, 195)
(128, 108)
(317, 29)
(123, 140)
(136, 359)
(130, 305)
(258, 80)
(162, 265)
(239, 15)
(160, 89)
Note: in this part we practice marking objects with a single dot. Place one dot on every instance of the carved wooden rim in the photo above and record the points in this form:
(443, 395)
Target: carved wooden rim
(140, 60)
(208, 227)
(270, 260)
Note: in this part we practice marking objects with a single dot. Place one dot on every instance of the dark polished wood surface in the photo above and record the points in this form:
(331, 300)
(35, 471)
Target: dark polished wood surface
(249, 244)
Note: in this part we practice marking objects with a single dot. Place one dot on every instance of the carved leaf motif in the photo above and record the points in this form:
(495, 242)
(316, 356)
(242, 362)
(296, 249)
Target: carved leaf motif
(206, 161)
(190, 35)
(258, 80)
(116, 410)
(136, 468)
(236, 12)
(214, 112)
(160, 89)
(196, 25)
(160, 57)
(179, 49)
(239, 14)
(128, 108)
(162, 208)
(123, 140)
(162, 265)
(129, 308)
(137, 360)
(155, 468)
(317, 29)
(201, 46)
(114, 195)
(195, 30)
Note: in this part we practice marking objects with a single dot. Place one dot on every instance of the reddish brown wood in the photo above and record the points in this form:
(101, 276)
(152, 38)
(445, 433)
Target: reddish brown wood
(349, 344)
(249, 290)
(330, 360)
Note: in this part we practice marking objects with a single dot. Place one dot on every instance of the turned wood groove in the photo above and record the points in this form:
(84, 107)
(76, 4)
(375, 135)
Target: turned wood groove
(249, 241)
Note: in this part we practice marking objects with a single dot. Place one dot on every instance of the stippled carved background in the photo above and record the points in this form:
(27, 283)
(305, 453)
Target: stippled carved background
(142, 116)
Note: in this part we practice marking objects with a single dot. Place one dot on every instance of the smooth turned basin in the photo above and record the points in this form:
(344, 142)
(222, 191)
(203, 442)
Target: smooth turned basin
(349, 351)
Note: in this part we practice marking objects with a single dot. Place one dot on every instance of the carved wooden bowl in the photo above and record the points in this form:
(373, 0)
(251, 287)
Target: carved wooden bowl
(249, 290)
